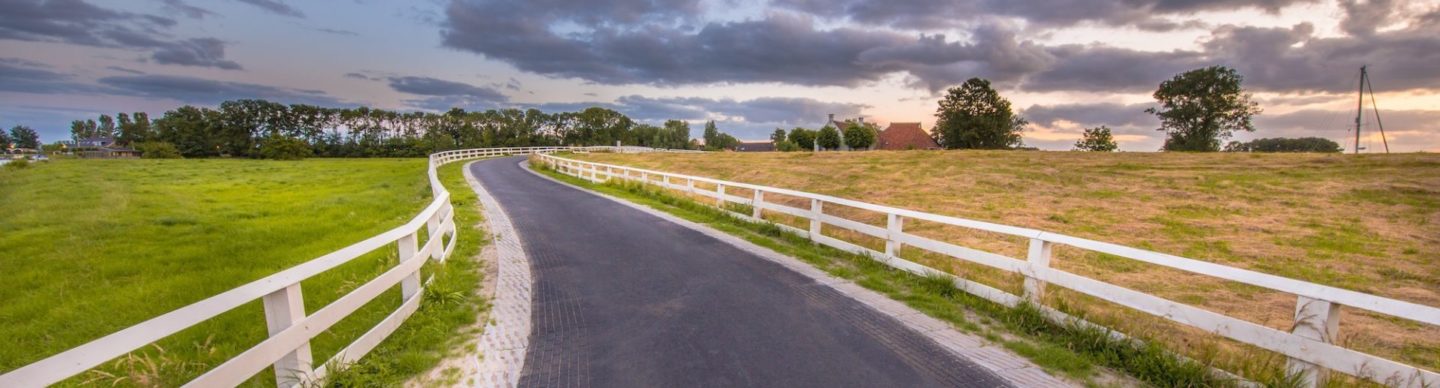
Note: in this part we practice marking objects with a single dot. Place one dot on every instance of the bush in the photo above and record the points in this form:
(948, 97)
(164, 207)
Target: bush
(858, 136)
(786, 146)
(157, 150)
(284, 148)
(17, 164)
(1281, 144)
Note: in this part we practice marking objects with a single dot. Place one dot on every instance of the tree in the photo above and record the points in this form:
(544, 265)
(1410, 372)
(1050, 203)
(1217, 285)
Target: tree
(859, 136)
(828, 138)
(1097, 139)
(157, 150)
(24, 137)
(711, 135)
(975, 116)
(778, 136)
(190, 129)
(1200, 108)
(107, 127)
(5, 140)
(803, 138)
(675, 135)
(279, 147)
(1280, 144)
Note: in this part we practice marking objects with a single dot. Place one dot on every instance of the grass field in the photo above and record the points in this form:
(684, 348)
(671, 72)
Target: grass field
(1369, 223)
(94, 246)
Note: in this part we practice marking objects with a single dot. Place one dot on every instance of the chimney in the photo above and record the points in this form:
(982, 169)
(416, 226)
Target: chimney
(831, 119)
(861, 119)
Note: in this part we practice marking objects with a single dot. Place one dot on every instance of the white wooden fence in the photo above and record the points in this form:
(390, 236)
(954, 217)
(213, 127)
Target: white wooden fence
(1310, 345)
(288, 347)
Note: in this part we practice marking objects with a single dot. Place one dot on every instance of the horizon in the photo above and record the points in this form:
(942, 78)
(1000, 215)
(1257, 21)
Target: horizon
(750, 66)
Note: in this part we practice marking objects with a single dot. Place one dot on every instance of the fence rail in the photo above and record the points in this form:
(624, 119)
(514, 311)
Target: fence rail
(1310, 346)
(287, 349)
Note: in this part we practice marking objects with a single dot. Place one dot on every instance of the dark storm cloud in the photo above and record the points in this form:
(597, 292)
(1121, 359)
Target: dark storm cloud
(275, 6)
(207, 52)
(779, 48)
(1280, 59)
(82, 23)
(557, 38)
(209, 92)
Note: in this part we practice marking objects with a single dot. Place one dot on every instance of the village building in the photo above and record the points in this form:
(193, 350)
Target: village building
(755, 146)
(102, 147)
(905, 136)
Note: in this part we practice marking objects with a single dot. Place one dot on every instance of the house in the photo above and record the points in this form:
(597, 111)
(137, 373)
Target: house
(905, 136)
(755, 146)
(840, 125)
(102, 147)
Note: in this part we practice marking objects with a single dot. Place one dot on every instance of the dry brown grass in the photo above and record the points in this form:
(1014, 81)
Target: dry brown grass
(1369, 223)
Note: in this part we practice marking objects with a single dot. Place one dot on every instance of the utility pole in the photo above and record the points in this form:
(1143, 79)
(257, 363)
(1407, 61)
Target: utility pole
(1359, 109)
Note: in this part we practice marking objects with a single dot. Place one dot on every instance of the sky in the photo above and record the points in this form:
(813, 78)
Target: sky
(751, 66)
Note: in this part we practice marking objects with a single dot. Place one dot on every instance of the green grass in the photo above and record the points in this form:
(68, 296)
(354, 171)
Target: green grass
(1066, 349)
(94, 246)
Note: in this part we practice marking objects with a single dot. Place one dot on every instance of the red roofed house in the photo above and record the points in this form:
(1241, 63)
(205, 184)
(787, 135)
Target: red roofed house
(905, 136)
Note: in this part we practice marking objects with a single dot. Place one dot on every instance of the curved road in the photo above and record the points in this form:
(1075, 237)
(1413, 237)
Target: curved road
(623, 298)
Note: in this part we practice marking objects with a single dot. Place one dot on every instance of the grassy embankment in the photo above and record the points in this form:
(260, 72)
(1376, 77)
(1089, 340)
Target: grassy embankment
(91, 247)
(1370, 224)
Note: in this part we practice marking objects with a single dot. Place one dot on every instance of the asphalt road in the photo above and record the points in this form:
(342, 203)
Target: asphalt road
(626, 299)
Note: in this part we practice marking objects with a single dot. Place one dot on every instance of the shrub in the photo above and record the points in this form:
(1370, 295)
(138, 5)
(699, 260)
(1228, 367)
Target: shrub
(1281, 144)
(828, 138)
(858, 136)
(17, 164)
(157, 150)
(786, 146)
(284, 148)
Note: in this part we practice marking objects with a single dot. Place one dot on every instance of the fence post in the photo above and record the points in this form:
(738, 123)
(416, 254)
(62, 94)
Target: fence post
(1039, 258)
(893, 225)
(283, 308)
(815, 213)
(755, 204)
(411, 284)
(720, 195)
(690, 184)
(1318, 320)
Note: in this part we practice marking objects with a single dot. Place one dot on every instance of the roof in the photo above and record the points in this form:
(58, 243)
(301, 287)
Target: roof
(906, 136)
(755, 146)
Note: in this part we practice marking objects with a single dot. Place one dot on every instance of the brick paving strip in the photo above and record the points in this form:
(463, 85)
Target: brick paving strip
(626, 298)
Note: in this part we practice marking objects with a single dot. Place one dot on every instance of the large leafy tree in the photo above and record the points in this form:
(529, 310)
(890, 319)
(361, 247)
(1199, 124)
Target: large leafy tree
(803, 138)
(778, 136)
(4, 140)
(974, 115)
(859, 136)
(1097, 139)
(1200, 108)
(711, 135)
(24, 137)
(828, 138)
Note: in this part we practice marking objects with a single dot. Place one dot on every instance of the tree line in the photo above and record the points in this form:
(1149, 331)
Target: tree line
(260, 128)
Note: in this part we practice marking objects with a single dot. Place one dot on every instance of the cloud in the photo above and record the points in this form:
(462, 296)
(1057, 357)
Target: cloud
(24, 76)
(442, 94)
(275, 7)
(1115, 116)
(82, 23)
(931, 15)
(621, 48)
(206, 52)
(209, 92)
(193, 12)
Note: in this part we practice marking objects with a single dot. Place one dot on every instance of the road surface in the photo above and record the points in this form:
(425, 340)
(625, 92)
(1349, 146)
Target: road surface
(623, 298)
